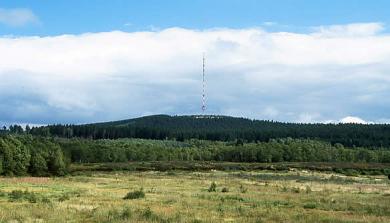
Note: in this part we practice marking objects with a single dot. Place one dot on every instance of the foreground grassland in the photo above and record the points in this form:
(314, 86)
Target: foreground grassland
(183, 196)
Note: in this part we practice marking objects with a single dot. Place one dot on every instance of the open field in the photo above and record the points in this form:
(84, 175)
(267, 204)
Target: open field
(183, 196)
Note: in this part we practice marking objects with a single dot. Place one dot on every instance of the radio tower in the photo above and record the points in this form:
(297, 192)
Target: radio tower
(203, 87)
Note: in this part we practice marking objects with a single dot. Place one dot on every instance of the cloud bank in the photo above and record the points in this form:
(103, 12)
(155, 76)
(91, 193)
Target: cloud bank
(355, 120)
(328, 74)
(17, 17)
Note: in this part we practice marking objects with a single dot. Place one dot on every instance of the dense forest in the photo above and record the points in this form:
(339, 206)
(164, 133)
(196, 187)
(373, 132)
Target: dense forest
(222, 128)
(48, 150)
(281, 150)
(25, 154)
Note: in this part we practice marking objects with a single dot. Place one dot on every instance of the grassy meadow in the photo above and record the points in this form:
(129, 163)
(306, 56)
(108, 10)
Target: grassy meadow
(196, 196)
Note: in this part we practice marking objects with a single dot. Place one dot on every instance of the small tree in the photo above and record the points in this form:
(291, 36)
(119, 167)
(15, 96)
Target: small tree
(56, 164)
(239, 142)
(38, 165)
(28, 129)
(213, 187)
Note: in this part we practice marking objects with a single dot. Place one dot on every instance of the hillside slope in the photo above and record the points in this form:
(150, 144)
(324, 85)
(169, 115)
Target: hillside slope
(223, 128)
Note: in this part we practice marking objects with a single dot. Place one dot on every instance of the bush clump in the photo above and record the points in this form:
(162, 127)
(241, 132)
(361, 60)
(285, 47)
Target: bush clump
(296, 190)
(3, 194)
(115, 215)
(310, 205)
(308, 189)
(213, 187)
(64, 197)
(243, 189)
(137, 194)
(348, 172)
(18, 195)
(126, 213)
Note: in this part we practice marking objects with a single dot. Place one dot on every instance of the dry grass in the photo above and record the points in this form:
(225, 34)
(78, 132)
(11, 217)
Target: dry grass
(32, 180)
(258, 196)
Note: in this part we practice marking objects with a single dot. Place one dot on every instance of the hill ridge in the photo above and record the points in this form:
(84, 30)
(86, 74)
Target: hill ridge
(223, 128)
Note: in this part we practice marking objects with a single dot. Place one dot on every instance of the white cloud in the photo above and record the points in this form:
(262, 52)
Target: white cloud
(309, 118)
(352, 119)
(250, 72)
(17, 17)
(351, 30)
(269, 23)
(270, 112)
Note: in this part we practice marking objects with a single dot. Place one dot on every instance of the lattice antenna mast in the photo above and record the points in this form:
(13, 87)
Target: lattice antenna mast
(203, 86)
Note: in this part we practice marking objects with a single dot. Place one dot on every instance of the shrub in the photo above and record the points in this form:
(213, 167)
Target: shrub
(31, 197)
(171, 173)
(296, 190)
(126, 213)
(46, 200)
(308, 189)
(243, 189)
(148, 214)
(63, 197)
(220, 208)
(38, 165)
(213, 187)
(225, 190)
(135, 194)
(310, 205)
(351, 172)
(3, 194)
(112, 215)
(18, 195)
(240, 210)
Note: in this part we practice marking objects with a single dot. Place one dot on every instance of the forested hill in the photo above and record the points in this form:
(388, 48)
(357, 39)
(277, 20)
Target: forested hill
(222, 128)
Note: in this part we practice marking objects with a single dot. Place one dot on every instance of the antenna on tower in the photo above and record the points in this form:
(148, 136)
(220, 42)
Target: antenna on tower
(203, 87)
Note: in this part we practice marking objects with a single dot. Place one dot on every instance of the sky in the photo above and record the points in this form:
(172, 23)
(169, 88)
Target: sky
(292, 60)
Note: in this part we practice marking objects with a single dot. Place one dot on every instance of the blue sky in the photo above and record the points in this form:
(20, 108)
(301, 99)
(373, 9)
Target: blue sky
(297, 61)
(75, 16)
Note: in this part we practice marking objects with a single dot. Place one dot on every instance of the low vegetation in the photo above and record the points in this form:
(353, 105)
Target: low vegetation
(213, 187)
(135, 194)
(253, 196)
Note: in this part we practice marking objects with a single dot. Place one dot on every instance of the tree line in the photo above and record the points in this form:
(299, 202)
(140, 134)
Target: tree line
(25, 154)
(223, 128)
(281, 150)
(28, 155)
